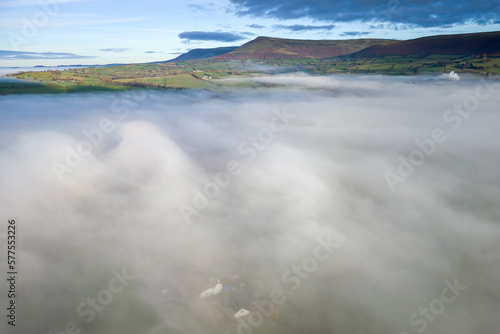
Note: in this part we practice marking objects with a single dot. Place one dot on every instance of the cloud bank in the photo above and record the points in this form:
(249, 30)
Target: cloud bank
(269, 174)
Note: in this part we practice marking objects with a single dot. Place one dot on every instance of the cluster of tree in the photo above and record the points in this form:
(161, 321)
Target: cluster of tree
(469, 65)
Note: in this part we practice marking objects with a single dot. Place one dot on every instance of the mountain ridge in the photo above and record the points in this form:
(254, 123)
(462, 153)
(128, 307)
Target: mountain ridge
(471, 44)
(269, 48)
(264, 47)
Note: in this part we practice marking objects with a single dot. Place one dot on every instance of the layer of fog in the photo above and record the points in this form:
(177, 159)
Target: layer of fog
(4, 71)
(325, 173)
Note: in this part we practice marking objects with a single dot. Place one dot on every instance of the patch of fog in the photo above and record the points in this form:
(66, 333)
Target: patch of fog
(354, 83)
(323, 172)
(13, 70)
(449, 76)
(16, 80)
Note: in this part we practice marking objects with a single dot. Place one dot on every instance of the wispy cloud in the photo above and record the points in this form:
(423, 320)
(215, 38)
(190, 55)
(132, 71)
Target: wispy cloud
(246, 33)
(114, 50)
(355, 33)
(11, 55)
(201, 8)
(210, 36)
(301, 27)
(256, 26)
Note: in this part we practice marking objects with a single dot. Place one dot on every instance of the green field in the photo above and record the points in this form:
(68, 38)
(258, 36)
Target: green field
(409, 65)
(204, 74)
(41, 88)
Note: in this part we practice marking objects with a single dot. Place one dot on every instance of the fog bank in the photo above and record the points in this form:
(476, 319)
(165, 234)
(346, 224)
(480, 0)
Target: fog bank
(382, 192)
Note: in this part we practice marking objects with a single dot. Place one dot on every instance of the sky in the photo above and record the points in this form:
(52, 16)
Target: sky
(67, 32)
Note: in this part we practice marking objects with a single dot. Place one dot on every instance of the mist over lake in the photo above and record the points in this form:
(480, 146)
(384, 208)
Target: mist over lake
(333, 204)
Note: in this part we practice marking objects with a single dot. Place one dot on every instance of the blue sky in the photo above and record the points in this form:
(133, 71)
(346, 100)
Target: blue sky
(54, 32)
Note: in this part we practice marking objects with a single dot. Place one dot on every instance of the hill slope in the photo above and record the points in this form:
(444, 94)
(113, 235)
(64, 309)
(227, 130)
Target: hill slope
(203, 53)
(271, 48)
(468, 44)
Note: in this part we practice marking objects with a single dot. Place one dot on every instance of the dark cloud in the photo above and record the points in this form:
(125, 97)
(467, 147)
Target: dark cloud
(256, 26)
(210, 36)
(424, 13)
(355, 33)
(7, 54)
(301, 27)
(114, 50)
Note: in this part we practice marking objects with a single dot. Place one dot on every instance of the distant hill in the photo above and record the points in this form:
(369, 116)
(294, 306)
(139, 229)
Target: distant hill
(469, 44)
(279, 48)
(271, 48)
(203, 53)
